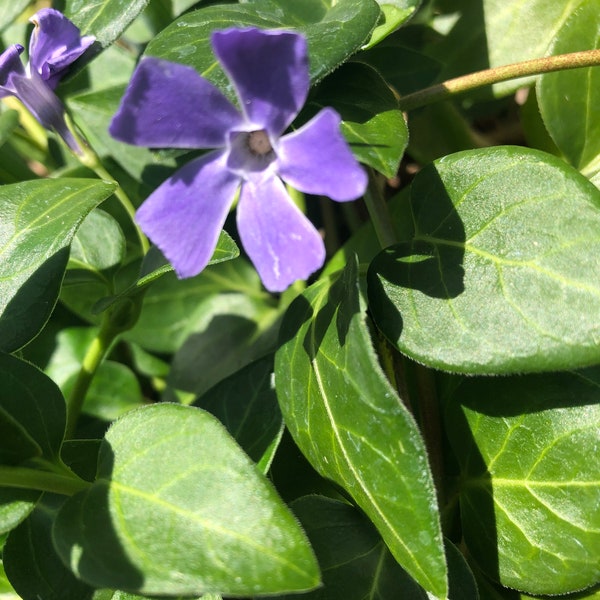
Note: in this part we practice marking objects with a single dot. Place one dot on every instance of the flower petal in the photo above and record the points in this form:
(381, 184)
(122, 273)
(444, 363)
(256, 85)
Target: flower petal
(281, 242)
(317, 160)
(55, 43)
(170, 105)
(10, 66)
(45, 106)
(269, 70)
(185, 215)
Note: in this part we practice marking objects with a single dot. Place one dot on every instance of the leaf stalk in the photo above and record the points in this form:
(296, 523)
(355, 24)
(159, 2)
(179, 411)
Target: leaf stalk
(466, 83)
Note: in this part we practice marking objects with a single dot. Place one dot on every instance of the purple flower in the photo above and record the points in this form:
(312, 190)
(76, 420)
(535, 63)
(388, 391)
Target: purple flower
(170, 105)
(55, 43)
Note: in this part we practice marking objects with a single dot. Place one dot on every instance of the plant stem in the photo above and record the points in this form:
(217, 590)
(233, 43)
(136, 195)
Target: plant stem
(537, 66)
(93, 358)
(35, 479)
(431, 424)
(379, 213)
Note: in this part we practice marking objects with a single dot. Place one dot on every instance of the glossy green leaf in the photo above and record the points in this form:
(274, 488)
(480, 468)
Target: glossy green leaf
(568, 100)
(371, 120)
(98, 245)
(104, 19)
(173, 308)
(88, 298)
(352, 427)
(230, 331)
(247, 405)
(15, 505)
(333, 34)
(177, 466)
(32, 565)
(356, 563)
(502, 273)
(34, 404)
(38, 220)
(530, 484)
(393, 14)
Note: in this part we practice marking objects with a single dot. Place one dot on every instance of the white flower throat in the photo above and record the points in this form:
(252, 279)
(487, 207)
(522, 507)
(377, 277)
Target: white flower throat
(259, 143)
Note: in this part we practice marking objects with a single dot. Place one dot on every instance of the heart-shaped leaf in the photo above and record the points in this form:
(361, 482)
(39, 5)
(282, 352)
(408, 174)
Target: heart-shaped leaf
(222, 527)
(353, 428)
(502, 274)
(530, 482)
(38, 220)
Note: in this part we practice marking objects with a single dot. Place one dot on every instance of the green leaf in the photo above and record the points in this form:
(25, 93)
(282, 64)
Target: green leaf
(333, 34)
(405, 69)
(98, 245)
(8, 123)
(38, 220)
(530, 484)
(502, 273)
(177, 508)
(34, 404)
(9, 11)
(394, 13)
(352, 427)
(15, 505)
(247, 405)
(105, 19)
(356, 564)
(568, 99)
(114, 389)
(32, 564)
(371, 121)
(230, 331)
(173, 309)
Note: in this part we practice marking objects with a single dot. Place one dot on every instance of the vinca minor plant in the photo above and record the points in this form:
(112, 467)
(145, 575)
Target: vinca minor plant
(300, 298)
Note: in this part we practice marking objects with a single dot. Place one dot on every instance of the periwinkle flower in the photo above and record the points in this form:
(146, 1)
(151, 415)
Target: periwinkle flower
(55, 43)
(171, 105)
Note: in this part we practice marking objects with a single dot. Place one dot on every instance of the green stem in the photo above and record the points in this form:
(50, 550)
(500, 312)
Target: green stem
(537, 66)
(91, 160)
(379, 213)
(34, 479)
(431, 425)
(94, 356)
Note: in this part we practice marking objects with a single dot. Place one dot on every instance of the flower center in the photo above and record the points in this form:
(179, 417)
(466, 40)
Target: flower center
(259, 143)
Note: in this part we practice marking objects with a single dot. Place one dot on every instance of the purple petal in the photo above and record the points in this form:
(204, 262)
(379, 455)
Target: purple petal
(45, 106)
(10, 66)
(269, 70)
(170, 105)
(317, 160)
(185, 215)
(55, 43)
(281, 242)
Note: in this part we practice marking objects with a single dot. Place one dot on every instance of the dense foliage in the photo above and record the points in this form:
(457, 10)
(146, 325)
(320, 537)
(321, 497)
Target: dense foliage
(419, 419)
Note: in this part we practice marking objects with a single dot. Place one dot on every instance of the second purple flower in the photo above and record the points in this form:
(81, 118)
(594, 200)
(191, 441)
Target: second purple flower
(170, 105)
